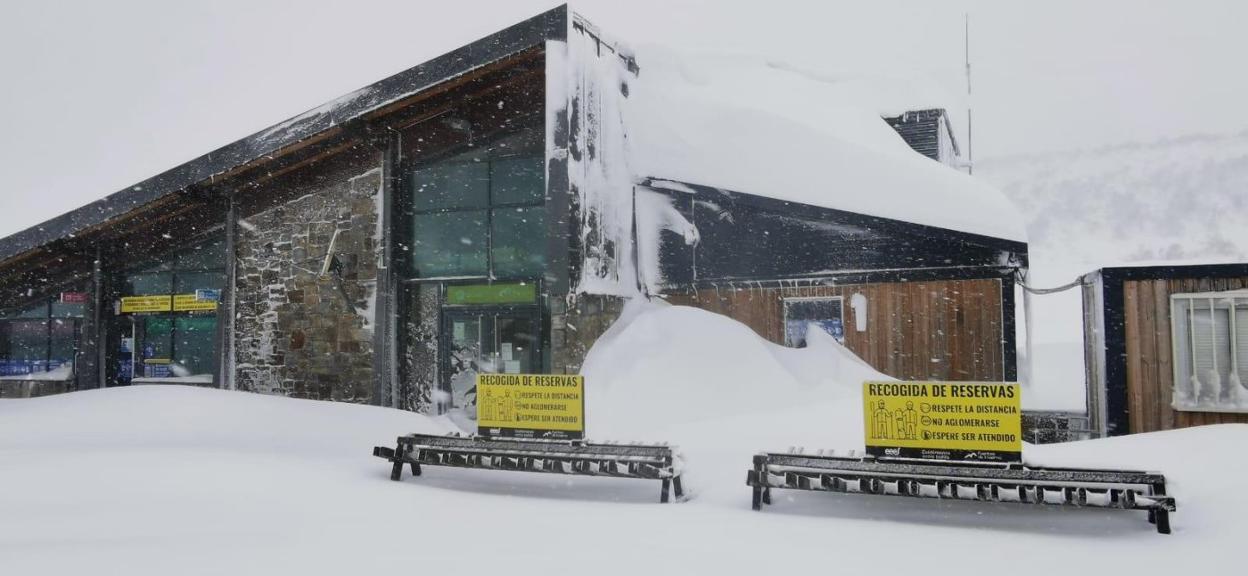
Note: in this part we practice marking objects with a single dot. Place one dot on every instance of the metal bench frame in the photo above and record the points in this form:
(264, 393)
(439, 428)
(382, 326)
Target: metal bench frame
(1122, 489)
(576, 457)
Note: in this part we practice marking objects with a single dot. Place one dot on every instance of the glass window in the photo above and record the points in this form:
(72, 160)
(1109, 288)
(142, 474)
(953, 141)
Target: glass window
(204, 256)
(518, 180)
(801, 313)
(32, 342)
(519, 241)
(454, 201)
(157, 337)
(36, 310)
(455, 184)
(148, 284)
(28, 341)
(194, 350)
(189, 282)
(63, 340)
(1210, 351)
(450, 244)
(68, 309)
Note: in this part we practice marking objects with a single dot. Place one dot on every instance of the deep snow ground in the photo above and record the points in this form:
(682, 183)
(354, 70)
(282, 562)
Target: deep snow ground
(178, 480)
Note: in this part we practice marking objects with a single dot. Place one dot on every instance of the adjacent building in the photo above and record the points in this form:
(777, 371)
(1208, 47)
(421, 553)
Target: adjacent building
(1166, 346)
(490, 211)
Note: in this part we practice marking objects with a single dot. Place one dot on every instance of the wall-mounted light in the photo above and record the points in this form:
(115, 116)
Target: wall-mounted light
(858, 303)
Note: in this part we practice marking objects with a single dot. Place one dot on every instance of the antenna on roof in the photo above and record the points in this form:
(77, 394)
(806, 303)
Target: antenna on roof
(970, 138)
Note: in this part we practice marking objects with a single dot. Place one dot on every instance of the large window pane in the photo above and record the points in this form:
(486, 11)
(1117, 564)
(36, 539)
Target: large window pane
(68, 309)
(157, 338)
(450, 244)
(35, 310)
(519, 241)
(148, 284)
(28, 341)
(194, 347)
(64, 335)
(189, 282)
(201, 257)
(451, 185)
(519, 180)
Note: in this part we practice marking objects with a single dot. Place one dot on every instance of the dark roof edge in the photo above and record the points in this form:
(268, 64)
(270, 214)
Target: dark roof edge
(1165, 271)
(1011, 246)
(549, 25)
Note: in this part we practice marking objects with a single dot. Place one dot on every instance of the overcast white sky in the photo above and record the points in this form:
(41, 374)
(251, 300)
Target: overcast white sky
(95, 96)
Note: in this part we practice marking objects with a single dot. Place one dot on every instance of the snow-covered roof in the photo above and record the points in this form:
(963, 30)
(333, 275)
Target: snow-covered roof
(293, 132)
(750, 125)
(741, 123)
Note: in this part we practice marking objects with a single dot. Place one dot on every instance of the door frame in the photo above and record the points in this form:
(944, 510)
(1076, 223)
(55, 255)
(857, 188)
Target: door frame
(449, 314)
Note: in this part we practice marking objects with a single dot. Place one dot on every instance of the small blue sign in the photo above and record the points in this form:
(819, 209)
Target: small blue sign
(208, 295)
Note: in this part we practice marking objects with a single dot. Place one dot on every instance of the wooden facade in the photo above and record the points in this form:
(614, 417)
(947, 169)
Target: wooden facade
(933, 330)
(1149, 351)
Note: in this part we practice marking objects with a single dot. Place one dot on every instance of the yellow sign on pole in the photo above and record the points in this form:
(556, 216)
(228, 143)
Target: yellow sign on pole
(531, 405)
(133, 304)
(943, 420)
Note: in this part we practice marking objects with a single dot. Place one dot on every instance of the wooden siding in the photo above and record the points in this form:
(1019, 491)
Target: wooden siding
(921, 130)
(938, 330)
(1150, 368)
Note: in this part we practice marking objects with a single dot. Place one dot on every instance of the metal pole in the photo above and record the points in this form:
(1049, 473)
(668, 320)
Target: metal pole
(384, 382)
(225, 304)
(970, 138)
(1028, 332)
(99, 332)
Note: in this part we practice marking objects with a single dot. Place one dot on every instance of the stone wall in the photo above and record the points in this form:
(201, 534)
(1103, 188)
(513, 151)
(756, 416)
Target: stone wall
(295, 333)
(418, 373)
(576, 326)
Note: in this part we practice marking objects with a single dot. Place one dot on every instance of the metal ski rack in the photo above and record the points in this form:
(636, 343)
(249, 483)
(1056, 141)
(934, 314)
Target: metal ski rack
(1122, 489)
(577, 457)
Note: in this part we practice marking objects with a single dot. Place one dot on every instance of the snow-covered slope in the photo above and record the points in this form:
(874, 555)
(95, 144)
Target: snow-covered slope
(178, 480)
(1176, 199)
(1181, 199)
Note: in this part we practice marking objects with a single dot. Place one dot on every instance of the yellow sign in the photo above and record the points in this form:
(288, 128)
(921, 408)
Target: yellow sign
(132, 304)
(531, 405)
(166, 303)
(192, 303)
(943, 420)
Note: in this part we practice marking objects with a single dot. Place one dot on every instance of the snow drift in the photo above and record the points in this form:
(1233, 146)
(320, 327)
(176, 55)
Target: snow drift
(160, 480)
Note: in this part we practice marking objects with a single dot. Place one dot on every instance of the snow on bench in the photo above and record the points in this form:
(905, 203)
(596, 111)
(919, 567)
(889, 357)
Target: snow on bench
(577, 457)
(1122, 489)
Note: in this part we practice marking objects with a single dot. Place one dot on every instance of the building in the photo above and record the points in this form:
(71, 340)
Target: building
(491, 210)
(1166, 346)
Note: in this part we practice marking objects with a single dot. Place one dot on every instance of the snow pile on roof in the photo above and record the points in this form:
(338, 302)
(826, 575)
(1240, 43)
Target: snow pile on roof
(183, 480)
(754, 126)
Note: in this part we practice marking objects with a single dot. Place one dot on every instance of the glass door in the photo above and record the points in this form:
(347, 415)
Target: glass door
(463, 358)
(485, 341)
